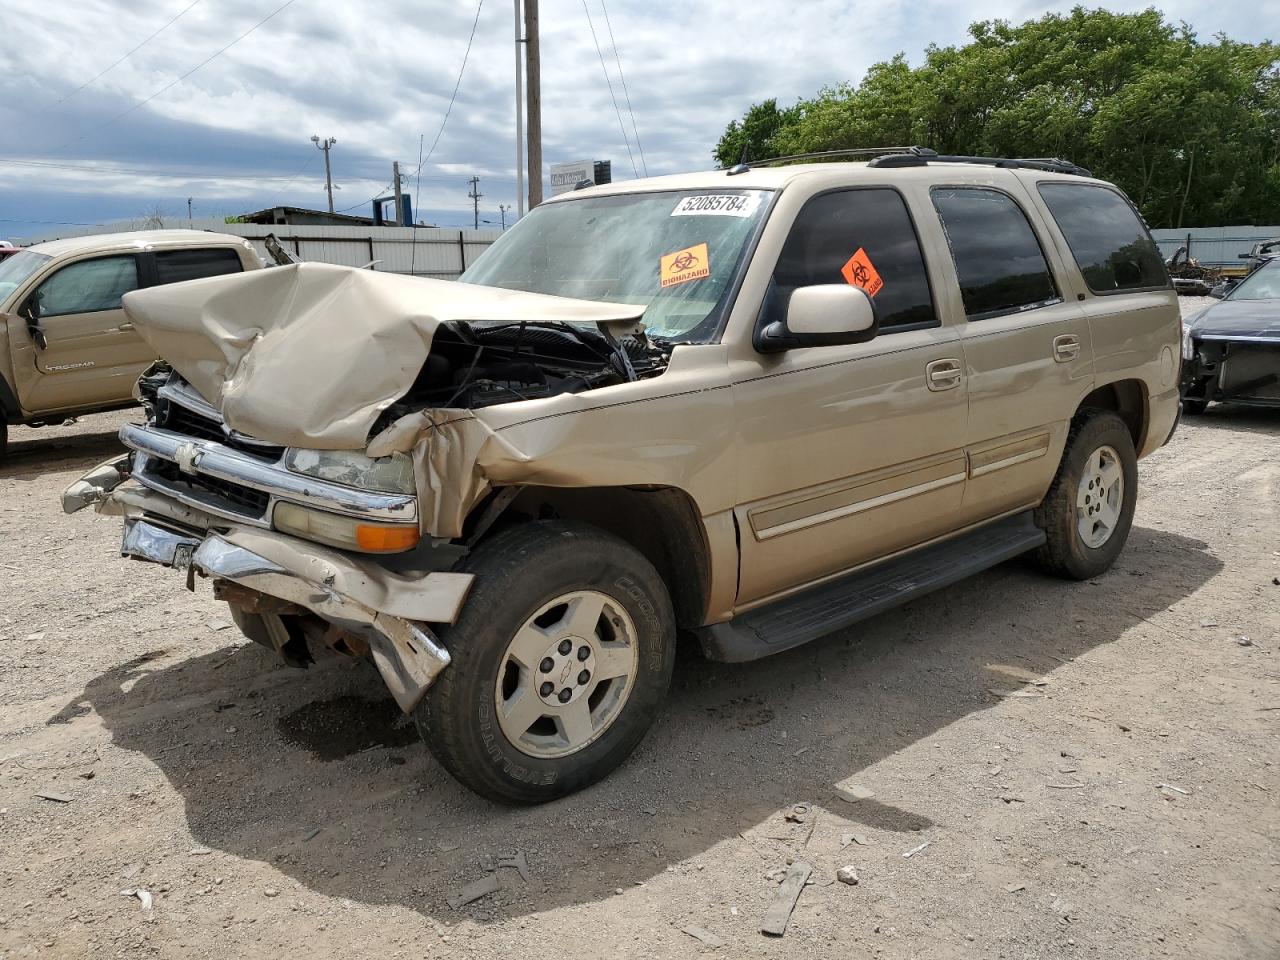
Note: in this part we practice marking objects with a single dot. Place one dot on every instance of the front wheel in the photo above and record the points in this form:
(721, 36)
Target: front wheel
(561, 658)
(1088, 511)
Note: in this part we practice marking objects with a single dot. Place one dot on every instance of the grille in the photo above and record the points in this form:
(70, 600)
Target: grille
(1252, 371)
(233, 496)
(180, 419)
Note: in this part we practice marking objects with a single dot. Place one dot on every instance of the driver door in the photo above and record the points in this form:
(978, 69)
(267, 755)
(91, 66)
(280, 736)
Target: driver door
(81, 348)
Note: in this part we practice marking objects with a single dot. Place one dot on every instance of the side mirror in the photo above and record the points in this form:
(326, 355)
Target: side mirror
(1221, 290)
(825, 315)
(31, 311)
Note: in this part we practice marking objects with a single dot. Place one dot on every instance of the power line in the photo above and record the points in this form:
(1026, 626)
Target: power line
(621, 126)
(621, 76)
(170, 22)
(173, 83)
(187, 176)
(447, 110)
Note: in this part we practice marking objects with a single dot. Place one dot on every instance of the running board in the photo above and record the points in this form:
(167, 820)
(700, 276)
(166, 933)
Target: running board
(831, 606)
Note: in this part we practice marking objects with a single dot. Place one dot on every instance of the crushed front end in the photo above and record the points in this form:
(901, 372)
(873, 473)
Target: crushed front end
(306, 546)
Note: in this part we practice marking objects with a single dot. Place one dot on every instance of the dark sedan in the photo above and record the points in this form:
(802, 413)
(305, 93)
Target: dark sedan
(1231, 350)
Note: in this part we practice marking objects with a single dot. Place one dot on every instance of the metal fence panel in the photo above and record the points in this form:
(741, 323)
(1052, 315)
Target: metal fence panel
(1214, 246)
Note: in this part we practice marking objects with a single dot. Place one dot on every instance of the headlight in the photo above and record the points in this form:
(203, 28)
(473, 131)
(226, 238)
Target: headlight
(348, 533)
(1188, 346)
(393, 474)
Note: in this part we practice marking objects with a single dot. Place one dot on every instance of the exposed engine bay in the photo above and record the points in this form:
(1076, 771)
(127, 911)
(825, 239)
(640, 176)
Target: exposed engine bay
(475, 365)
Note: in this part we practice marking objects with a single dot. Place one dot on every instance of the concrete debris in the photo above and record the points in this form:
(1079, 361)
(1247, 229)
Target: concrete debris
(1244, 641)
(914, 850)
(703, 936)
(271, 892)
(798, 814)
(778, 915)
(1209, 622)
(1015, 887)
(858, 838)
(199, 852)
(854, 793)
(474, 891)
(35, 636)
(847, 874)
(517, 863)
(55, 797)
(144, 896)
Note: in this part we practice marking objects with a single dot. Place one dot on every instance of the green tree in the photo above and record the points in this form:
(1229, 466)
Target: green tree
(1189, 129)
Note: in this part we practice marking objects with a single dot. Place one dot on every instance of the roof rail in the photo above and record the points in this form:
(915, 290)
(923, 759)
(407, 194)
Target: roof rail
(920, 156)
(830, 155)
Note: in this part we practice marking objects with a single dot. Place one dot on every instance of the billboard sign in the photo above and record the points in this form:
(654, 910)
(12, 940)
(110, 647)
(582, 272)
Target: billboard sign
(566, 176)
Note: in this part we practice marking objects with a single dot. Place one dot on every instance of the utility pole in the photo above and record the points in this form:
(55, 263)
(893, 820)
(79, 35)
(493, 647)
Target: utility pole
(502, 211)
(328, 174)
(534, 68)
(395, 175)
(519, 114)
(475, 196)
(188, 211)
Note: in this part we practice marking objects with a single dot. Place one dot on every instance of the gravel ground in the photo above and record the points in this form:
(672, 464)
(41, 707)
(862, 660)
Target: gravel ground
(1092, 765)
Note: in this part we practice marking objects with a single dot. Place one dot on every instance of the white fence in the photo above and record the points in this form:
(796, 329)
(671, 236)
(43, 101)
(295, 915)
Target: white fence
(1214, 246)
(421, 251)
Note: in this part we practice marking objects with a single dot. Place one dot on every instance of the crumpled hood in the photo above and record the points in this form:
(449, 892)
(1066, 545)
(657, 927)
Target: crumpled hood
(1238, 318)
(309, 355)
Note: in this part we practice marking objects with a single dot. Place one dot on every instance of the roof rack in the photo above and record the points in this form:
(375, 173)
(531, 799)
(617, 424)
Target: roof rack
(918, 157)
(922, 156)
(828, 155)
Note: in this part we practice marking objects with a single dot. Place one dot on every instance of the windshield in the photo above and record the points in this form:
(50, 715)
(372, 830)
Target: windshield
(16, 269)
(675, 252)
(1262, 284)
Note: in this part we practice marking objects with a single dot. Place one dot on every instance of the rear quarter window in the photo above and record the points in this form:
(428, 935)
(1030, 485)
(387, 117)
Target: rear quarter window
(1110, 243)
(174, 266)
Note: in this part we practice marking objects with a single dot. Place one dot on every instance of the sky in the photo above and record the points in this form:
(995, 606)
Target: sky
(177, 118)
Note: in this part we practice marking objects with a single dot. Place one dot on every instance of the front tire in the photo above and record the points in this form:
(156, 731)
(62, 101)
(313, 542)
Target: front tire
(561, 657)
(1088, 510)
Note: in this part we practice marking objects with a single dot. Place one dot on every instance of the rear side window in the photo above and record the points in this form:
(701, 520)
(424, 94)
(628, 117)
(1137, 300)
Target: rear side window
(860, 237)
(998, 258)
(1111, 246)
(174, 266)
(88, 286)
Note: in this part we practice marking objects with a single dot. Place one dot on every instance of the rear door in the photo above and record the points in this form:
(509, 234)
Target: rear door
(1027, 351)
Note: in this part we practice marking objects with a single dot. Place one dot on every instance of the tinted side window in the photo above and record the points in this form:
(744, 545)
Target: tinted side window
(862, 237)
(998, 258)
(1110, 244)
(174, 266)
(88, 286)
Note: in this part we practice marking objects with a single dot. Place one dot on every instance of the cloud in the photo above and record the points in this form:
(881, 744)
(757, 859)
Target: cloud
(378, 76)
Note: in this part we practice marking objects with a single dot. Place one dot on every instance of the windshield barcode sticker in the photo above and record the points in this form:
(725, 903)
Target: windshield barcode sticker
(717, 205)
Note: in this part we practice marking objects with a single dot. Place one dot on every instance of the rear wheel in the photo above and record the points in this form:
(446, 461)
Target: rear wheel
(561, 657)
(1088, 511)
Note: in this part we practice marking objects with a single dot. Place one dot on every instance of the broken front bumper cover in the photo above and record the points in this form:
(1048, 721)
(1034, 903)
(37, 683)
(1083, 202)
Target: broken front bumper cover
(389, 610)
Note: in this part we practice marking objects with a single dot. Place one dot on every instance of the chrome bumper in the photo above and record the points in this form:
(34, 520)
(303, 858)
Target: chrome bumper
(405, 652)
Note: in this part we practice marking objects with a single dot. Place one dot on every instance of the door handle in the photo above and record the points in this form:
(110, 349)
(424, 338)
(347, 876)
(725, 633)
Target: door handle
(125, 326)
(1066, 348)
(943, 374)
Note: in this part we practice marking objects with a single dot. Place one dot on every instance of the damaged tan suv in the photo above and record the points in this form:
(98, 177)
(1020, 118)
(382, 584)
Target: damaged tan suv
(754, 405)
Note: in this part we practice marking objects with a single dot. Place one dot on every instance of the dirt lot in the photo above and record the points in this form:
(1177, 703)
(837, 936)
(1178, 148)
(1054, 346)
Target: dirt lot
(1093, 766)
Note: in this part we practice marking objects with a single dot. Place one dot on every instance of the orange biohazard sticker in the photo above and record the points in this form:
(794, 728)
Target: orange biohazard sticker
(860, 272)
(691, 263)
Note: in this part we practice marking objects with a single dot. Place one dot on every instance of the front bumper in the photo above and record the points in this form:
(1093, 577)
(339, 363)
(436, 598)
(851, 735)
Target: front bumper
(1234, 369)
(389, 610)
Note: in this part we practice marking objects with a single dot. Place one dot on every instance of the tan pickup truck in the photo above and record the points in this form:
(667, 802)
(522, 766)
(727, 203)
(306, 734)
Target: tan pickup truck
(751, 406)
(67, 348)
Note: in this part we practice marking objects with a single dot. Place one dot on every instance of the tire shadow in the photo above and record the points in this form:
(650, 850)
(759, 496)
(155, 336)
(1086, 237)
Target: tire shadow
(35, 452)
(318, 776)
